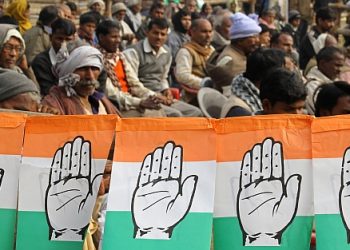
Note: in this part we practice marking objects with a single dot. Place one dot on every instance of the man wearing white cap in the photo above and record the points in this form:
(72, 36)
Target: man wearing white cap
(244, 35)
(133, 16)
(118, 14)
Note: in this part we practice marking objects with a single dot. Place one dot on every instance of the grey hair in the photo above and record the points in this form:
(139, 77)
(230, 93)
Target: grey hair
(220, 17)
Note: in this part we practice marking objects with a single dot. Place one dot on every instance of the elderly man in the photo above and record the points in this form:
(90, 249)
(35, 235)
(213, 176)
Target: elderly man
(244, 35)
(329, 62)
(222, 26)
(191, 60)
(76, 91)
(17, 92)
(118, 14)
(150, 59)
(12, 48)
(122, 85)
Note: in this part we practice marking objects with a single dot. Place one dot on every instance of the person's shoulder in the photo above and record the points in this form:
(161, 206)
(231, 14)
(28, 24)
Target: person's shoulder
(42, 57)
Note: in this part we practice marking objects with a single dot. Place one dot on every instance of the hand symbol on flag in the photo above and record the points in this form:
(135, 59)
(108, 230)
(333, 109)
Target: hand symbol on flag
(266, 204)
(161, 200)
(2, 173)
(344, 194)
(72, 191)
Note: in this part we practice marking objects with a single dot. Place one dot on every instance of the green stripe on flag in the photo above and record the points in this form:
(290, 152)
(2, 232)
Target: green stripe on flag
(7, 228)
(194, 233)
(33, 233)
(228, 235)
(331, 233)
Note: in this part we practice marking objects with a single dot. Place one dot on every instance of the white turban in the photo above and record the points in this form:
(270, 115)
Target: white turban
(92, 2)
(83, 56)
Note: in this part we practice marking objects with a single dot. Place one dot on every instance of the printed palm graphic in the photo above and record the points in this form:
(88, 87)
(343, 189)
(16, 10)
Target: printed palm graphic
(266, 204)
(344, 193)
(161, 200)
(69, 195)
(2, 173)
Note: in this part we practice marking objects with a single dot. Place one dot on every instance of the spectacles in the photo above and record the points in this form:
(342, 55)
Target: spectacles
(9, 48)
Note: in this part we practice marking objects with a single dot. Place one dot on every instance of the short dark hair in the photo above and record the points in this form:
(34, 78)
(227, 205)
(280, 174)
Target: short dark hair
(72, 6)
(157, 5)
(65, 25)
(325, 13)
(276, 36)
(263, 60)
(48, 14)
(161, 23)
(282, 85)
(105, 27)
(87, 18)
(328, 95)
(327, 53)
(264, 28)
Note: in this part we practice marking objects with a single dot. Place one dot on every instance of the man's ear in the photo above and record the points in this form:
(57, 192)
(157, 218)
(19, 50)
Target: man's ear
(267, 106)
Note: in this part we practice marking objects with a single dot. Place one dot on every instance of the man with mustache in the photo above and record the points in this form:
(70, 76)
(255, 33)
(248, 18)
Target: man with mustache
(76, 91)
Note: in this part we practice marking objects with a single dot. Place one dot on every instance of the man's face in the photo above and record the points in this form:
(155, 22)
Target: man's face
(96, 7)
(325, 25)
(249, 44)
(283, 108)
(331, 68)
(58, 38)
(136, 8)
(191, 6)
(295, 22)
(10, 53)
(186, 22)
(342, 107)
(24, 102)
(111, 41)
(120, 15)
(265, 39)
(285, 43)
(224, 28)
(89, 28)
(202, 33)
(157, 37)
(269, 18)
(88, 80)
(157, 13)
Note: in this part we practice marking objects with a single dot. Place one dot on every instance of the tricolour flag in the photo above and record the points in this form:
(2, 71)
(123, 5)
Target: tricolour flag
(263, 195)
(63, 162)
(11, 133)
(162, 186)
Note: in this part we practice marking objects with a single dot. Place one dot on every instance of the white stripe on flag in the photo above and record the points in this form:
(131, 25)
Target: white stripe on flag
(9, 187)
(327, 180)
(124, 181)
(34, 179)
(227, 186)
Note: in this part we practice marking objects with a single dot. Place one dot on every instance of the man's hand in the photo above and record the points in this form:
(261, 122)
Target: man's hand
(344, 193)
(69, 195)
(23, 63)
(47, 109)
(161, 199)
(266, 204)
(167, 93)
(150, 103)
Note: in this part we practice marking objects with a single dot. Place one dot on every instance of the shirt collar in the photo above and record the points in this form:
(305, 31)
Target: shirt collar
(148, 49)
(52, 55)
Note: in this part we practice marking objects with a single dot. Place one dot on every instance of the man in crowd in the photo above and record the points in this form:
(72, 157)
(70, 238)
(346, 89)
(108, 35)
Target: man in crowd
(17, 92)
(333, 99)
(282, 41)
(222, 25)
(244, 35)
(245, 99)
(325, 19)
(76, 91)
(292, 26)
(37, 39)
(118, 14)
(329, 62)
(122, 85)
(12, 47)
(151, 61)
(133, 16)
(282, 92)
(191, 60)
(63, 30)
(87, 27)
